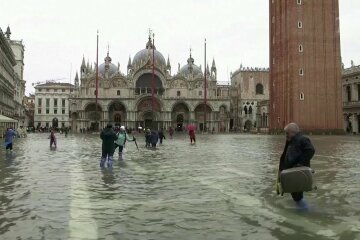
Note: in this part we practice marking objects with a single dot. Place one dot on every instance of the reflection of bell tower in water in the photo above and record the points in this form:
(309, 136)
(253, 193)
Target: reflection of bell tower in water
(305, 65)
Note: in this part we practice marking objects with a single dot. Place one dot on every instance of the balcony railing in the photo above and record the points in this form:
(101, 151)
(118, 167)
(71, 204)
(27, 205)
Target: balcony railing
(147, 91)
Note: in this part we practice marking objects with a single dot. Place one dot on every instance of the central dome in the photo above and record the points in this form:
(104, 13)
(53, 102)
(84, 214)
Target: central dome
(107, 66)
(190, 67)
(144, 55)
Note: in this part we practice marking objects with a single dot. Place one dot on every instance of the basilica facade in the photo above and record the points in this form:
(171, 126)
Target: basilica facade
(127, 99)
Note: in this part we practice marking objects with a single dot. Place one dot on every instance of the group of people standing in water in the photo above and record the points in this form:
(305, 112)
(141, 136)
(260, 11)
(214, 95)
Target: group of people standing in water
(116, 138)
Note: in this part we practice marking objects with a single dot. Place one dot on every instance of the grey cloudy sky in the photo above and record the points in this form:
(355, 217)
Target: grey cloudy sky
(58, 33)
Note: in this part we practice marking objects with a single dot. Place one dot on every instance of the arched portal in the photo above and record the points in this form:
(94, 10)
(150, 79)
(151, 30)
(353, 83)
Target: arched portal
(248, 126)
(117, 113)
(200, 111)
(55, 123)
(93, 116)
(148, 113)
(180, 115)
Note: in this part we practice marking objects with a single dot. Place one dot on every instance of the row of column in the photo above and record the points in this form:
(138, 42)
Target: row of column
(132, 118)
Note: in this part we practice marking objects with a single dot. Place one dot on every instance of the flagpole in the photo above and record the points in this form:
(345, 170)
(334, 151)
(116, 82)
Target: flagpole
(153, 73)
(205, 83)
(97, 78)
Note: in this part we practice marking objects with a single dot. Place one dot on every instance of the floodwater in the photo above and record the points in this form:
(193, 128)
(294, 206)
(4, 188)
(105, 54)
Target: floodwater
(220, 188)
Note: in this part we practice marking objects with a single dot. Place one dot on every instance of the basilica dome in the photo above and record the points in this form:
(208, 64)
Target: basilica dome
(144, 55)
(190, 67)
(107, 65)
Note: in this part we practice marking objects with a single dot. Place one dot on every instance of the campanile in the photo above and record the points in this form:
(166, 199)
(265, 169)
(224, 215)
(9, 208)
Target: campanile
(305, 65)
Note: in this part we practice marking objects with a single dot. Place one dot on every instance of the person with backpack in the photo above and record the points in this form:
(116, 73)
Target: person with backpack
(122, 137)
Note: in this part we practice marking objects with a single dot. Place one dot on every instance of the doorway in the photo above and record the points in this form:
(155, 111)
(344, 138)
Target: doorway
(148, 120)
(55, 123)
(94, 126)
(179, 122)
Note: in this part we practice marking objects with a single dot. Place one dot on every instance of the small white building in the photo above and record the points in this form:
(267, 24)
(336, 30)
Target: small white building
(52, 104)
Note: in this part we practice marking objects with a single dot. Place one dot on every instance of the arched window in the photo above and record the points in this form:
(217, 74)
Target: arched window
(301, 48)
(250, 110)
(245, 110)
(302, 96)
(200, 93)
(301, 72)
(118, 92)
(348, 91)
(259, 89)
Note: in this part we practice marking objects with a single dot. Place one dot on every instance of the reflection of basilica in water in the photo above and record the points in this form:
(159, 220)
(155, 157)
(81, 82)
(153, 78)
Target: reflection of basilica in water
(126, 99)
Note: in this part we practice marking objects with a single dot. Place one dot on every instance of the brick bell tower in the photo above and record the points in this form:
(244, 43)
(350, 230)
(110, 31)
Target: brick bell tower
(305, 65)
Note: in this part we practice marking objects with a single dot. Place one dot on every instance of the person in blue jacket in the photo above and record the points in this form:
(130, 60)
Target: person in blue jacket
(9, 137)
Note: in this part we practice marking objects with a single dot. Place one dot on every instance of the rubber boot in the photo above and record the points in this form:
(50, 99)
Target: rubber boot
(110, 162)
(102, 162)
(120, 156)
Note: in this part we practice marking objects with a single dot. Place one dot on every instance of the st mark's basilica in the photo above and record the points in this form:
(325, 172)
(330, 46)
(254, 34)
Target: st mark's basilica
(126, 98)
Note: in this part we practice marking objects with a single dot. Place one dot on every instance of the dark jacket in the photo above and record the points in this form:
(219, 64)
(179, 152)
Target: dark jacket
(148, 137)
(108, 137)
(161, 134)
(297, 152)
(154, 137)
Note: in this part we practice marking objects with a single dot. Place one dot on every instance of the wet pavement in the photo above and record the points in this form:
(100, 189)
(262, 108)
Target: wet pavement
(220, 188)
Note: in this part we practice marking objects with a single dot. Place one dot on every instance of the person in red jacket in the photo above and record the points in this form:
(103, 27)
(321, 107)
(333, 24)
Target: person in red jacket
(192, 135)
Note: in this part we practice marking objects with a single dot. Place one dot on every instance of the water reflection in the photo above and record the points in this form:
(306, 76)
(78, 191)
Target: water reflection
(220, 188)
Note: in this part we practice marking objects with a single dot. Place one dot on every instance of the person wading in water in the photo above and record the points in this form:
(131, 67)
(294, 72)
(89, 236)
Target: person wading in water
(9, 137)
(108, 136)
(52, 138)
(122, 137)
(298, 152)
(192, 136)
(161, 135)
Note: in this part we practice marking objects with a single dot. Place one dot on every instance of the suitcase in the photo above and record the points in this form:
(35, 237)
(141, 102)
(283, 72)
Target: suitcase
(298, 179)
